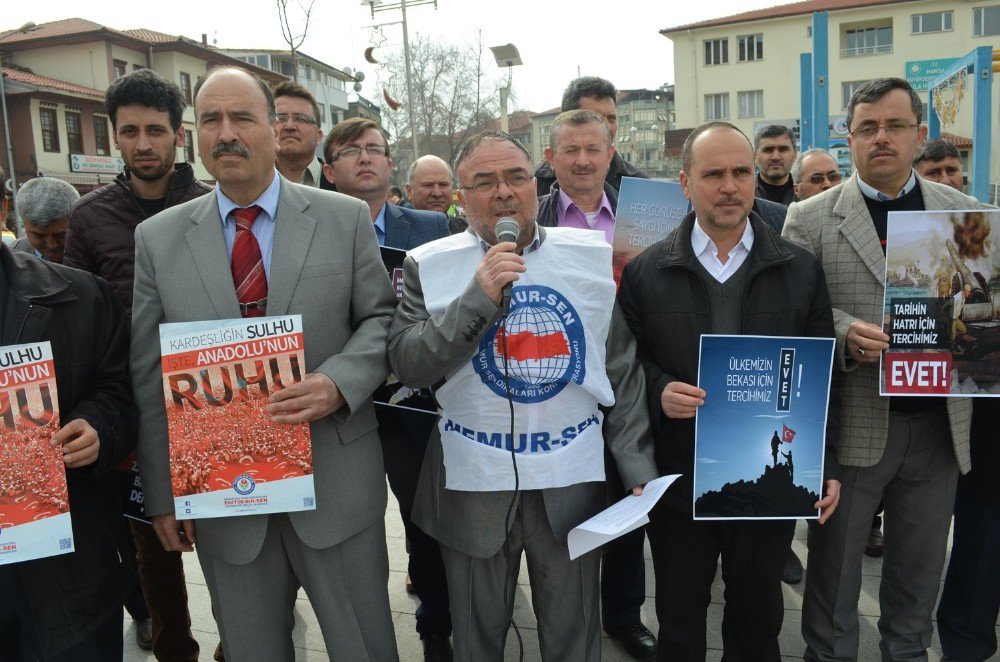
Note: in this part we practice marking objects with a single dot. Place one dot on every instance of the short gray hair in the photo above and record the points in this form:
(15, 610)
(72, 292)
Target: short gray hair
(797, 164)
(45, 199)
(577, 118)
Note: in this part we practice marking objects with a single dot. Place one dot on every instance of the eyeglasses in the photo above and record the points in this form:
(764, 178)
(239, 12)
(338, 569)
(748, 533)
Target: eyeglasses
(485, 186)
(819, 178)
(354, 152)
(892, 129)
(297, 118)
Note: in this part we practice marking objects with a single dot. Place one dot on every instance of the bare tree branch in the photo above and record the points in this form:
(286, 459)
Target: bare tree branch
(288, 33)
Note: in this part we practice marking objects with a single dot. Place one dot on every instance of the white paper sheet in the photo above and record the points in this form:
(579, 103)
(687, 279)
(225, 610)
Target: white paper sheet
(627, 515)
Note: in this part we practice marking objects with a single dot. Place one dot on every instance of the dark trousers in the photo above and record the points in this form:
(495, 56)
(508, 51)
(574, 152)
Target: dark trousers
(623, 568)
(135, 603)
(685, 558)
(19, 641)
(404, 441)
(970, 601)
(162, 576)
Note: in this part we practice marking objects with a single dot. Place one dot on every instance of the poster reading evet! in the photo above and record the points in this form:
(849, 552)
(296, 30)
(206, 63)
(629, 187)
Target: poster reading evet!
(942, 304)
(34, 502)
(761, 434)
(226, 456)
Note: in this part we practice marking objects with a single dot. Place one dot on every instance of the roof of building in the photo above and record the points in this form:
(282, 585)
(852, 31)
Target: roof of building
(782, 11)
(80, 30)
(960, 142)
(22, 75)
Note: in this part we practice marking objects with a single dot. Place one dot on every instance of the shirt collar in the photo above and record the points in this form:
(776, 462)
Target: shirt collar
(268, 200)
(700, 241)
(530, 248)
(874, 194)
(380, 219)
(564, 202)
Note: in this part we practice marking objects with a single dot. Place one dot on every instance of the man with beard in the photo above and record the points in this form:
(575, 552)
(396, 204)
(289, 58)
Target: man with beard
(774, 152)
(145, 111)
(297, 121)
(445, 332)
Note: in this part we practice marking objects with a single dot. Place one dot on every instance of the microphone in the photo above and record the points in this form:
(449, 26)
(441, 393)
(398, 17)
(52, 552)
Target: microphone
(506, 229)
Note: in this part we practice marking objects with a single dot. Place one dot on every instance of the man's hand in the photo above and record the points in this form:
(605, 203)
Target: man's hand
(499, 266)
(172, 537)
(865, 342)
(79, 442)
(311, 399)
(637, 490)
(828, 503)
(680, 400)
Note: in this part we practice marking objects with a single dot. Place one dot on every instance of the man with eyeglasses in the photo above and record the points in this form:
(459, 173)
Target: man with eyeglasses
(939, 161)
(906, 452)
(564, 322)
(813, 172)
(358, 164)
(297, 121)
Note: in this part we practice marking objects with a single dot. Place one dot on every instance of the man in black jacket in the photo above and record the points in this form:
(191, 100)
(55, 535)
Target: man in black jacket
(145, 111)
(774, 150)
(722, 271)
(69, 607)
(600, 96)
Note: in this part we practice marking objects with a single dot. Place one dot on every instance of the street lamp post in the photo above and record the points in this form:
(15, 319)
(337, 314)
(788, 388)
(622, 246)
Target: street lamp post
(506, 56)
(377, 6)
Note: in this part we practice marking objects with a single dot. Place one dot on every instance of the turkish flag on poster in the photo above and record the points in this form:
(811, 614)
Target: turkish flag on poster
(787, 434)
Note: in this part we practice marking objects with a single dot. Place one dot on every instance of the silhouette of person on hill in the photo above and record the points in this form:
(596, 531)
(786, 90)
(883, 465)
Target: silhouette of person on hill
(788, 462)
(775, 442)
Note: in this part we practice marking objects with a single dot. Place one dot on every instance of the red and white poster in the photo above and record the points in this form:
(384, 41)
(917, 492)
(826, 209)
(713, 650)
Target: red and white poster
(226, 456)
(34, 502)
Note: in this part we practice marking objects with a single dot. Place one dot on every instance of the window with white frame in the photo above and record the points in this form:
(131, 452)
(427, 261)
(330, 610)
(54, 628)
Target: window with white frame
(716, 51)
(986, 21)
(717, 106)
(751, 47)
(847, 90)
(751, 103)
(935, 21)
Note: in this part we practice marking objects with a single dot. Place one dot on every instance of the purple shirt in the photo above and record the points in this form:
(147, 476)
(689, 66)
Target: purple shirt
(570, 216)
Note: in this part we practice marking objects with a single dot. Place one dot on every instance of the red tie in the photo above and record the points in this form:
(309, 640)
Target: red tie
(248, 266)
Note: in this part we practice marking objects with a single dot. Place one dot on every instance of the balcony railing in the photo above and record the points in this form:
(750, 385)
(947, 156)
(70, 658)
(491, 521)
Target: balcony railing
(862, 51)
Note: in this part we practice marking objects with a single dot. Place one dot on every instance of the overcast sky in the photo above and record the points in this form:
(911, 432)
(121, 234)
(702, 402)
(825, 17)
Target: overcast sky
(619, 41)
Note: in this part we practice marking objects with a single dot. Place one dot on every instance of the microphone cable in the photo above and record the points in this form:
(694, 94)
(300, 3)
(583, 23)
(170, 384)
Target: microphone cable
(510, 568)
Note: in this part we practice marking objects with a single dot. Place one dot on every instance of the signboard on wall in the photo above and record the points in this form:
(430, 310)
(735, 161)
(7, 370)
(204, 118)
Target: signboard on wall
(98, 164)
(921, 72)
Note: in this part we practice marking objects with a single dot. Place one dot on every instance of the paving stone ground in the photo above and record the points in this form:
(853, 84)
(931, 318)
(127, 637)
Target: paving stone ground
(309, 645)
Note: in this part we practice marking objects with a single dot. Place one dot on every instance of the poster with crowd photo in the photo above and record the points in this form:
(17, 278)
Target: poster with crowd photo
(760, 436)
(942, 304)
(648, 210)
(392, 393)
(226, 456)
(34, 502)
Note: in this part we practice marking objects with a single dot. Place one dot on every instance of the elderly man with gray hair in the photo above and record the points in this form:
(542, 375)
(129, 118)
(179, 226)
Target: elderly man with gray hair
(44, 204)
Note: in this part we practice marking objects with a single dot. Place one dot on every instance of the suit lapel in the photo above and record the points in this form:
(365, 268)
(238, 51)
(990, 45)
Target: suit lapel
(858, 229)
(293, 233)
(208, 246)
(397, 228)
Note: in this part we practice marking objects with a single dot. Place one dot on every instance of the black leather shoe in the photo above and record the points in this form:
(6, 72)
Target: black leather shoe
(876, 545)
(792, 574)
(636, 638)
(144, 634)
(437, 648)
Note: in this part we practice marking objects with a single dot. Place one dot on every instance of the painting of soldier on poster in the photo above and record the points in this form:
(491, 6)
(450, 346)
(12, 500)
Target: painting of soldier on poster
(942, 304)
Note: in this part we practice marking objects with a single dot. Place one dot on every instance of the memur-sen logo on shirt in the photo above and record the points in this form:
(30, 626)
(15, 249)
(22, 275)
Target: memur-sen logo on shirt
(546, 347)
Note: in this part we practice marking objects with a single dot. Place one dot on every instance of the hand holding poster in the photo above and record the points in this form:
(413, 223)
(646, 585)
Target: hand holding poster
(761, 434)
(648, 210)
(34, 502)
(226, 456)
(942, 304)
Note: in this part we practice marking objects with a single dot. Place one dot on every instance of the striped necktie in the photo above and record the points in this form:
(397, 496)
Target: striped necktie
(248, 265)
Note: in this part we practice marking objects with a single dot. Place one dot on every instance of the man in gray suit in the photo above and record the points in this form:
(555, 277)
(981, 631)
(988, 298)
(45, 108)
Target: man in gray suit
(320, 259)
(905, 451)
(433, 340)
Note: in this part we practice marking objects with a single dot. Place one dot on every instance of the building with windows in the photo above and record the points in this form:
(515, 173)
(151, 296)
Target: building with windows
(55, 75)
(745, 68)
(327, 84)
(644, 117)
